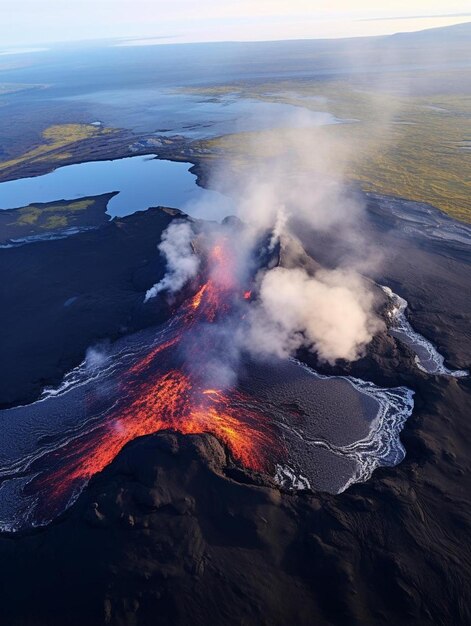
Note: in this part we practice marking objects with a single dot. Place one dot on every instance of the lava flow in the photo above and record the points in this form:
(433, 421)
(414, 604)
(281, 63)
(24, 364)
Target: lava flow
(167, 388)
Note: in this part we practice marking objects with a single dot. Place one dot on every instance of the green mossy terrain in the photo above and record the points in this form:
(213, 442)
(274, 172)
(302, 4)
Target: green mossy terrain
(37, 213)
(411, 146)
(40, 219)
(54, 139)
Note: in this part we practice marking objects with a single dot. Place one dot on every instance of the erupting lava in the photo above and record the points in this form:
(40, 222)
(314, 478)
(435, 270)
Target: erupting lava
(165, 390)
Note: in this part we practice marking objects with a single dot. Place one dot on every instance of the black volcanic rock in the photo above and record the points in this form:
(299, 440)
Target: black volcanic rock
(53, 218)
(431, 273)
(60, 297)
(166, 535)
(173, 532)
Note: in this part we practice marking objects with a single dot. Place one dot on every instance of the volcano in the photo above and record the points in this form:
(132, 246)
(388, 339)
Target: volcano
(175, 522)
(277, 418)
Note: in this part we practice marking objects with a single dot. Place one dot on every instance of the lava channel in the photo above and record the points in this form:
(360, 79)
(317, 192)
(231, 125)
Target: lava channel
(164, 390)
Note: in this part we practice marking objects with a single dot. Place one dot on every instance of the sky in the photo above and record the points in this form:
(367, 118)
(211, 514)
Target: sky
(39, 22)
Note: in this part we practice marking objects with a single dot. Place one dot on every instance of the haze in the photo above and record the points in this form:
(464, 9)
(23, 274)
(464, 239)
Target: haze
(30, 22)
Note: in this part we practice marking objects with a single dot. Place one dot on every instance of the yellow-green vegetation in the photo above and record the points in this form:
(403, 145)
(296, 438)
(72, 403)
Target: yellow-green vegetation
(423, 159)
(55, 221)
(28, 216)
(57, 137)
(50, 216)
(42, 219)
(412, 147)
(57, 156)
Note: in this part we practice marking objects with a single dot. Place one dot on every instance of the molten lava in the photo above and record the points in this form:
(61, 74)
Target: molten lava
(164, 390)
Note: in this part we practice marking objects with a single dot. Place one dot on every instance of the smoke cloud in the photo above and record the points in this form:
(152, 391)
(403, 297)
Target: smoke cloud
(294, 182)
(330, 313)
(182, 262)
(96, 356)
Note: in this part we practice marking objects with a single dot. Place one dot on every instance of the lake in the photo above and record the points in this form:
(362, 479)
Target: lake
(167, 111)
(142, 181)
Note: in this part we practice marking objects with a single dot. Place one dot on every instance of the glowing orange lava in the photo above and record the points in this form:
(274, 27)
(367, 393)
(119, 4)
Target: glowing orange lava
(145, 361)
(196, 300)
(162, 392)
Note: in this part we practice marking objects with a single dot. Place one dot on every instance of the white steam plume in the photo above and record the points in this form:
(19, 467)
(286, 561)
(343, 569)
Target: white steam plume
(182, 262)
(279, 228)
(294, 180)
(330, 313)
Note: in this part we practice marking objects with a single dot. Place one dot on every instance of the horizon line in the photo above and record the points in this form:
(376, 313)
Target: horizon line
(40, 47)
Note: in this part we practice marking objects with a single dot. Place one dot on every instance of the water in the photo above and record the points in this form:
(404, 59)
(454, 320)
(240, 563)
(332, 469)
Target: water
(424, 222)
(195, 116)
(337, 429)
(324, 433)
(427, 357)
(142, 181)
(48, 236)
